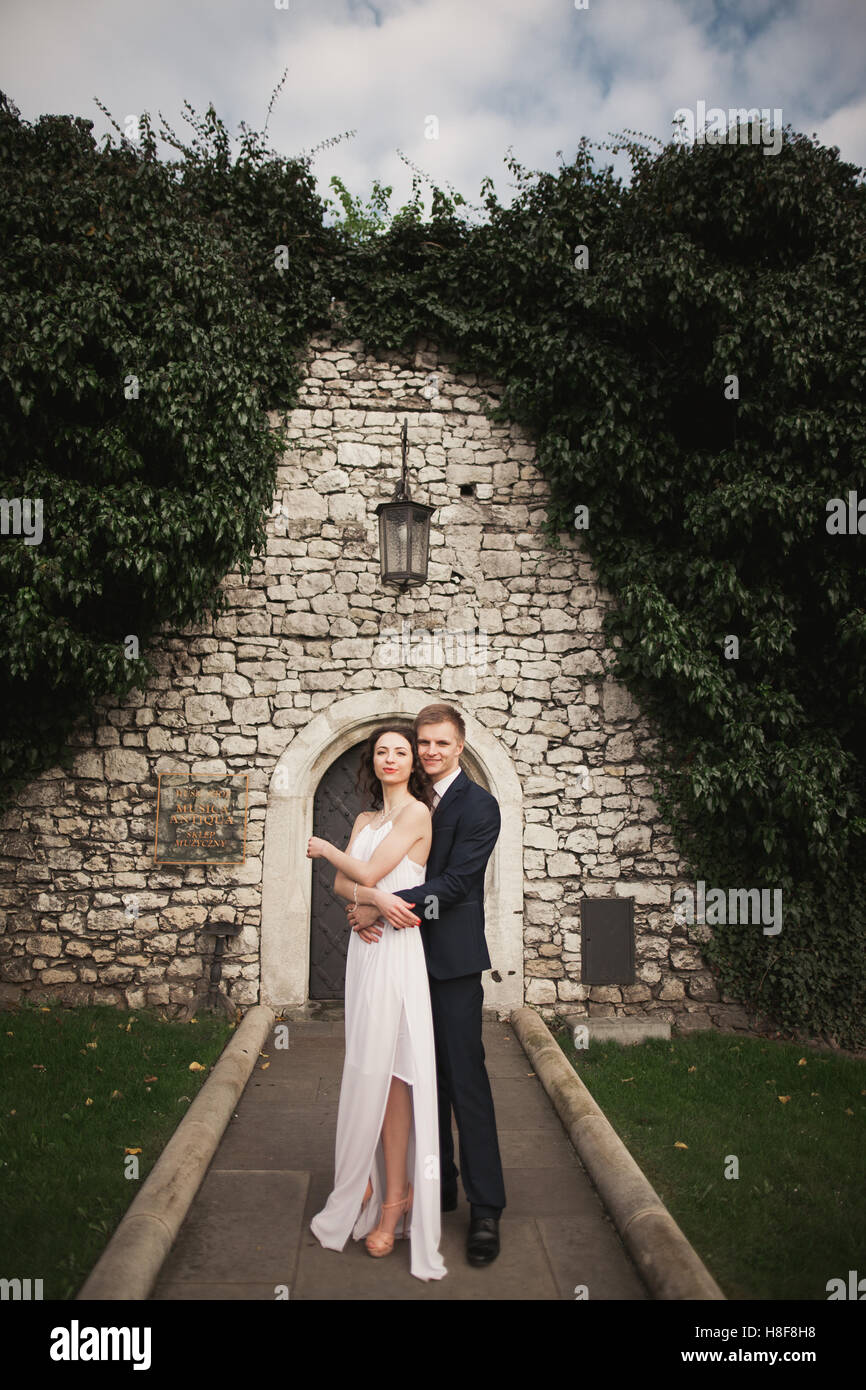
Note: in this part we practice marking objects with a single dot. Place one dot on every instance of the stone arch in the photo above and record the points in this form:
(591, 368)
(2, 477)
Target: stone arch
(287, 872)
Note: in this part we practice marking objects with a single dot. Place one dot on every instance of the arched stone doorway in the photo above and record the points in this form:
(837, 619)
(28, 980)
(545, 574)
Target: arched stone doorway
(287, 872)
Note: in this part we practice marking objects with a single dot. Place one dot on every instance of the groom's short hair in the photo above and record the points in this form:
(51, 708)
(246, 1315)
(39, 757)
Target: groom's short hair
(435, 714)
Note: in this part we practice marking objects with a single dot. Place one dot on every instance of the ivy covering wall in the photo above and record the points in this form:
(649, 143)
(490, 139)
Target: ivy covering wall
(688, 353)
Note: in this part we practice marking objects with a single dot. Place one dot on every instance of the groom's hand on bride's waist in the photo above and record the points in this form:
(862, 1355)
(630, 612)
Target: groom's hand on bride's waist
(365, 921)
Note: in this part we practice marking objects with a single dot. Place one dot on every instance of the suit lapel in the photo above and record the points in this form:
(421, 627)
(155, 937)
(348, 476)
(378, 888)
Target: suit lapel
(458, 786)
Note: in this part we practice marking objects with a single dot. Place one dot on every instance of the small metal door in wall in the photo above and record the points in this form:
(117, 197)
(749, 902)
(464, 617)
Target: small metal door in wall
(607, 941)
(335, 806)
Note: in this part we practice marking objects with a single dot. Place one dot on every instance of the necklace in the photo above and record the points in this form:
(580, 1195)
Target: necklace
(382, 818)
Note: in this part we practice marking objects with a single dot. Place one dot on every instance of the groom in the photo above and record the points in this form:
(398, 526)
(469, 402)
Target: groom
(450, 904)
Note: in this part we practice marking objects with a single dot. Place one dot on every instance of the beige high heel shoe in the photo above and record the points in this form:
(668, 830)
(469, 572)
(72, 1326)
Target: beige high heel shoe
(380, 1242)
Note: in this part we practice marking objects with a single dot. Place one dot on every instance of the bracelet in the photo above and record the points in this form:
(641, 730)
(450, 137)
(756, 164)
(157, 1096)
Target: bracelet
(356, 895)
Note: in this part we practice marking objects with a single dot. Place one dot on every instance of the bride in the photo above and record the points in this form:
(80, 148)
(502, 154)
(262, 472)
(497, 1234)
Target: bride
(387, 1149)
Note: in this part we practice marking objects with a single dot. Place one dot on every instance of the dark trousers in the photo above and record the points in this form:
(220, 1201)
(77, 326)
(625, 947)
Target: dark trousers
(463, 1086)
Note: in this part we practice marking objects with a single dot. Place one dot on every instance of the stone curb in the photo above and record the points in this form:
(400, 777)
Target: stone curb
(668, 1264)
(129, 1264)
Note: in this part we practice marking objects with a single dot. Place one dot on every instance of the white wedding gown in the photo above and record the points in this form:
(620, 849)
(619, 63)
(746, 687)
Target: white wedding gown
(389, 1032)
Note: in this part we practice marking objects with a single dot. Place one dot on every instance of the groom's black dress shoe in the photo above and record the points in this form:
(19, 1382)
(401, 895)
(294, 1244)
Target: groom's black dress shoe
(482, 1243)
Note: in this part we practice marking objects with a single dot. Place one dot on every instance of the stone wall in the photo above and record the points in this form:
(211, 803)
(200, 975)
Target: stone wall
(90, 917)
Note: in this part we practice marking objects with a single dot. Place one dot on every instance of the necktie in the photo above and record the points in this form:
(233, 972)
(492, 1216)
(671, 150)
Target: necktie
(436, 799)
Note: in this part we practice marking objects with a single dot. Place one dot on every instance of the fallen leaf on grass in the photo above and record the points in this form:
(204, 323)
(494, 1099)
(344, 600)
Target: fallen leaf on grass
(150, 1078)
(37, 1066)
(116, 1095)
(802, 1062)
(784, 1099)
(680, 1145)
(626, 1078)
(264, 1066)
(692, 1068)
(196, 1066)
(132, 1151)
(88, 1101)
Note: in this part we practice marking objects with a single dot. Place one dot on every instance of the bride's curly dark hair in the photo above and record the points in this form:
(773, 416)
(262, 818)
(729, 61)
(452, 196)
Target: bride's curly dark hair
(368, 783)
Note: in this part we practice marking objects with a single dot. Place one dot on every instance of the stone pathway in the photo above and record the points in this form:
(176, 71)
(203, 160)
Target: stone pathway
(247, 1231)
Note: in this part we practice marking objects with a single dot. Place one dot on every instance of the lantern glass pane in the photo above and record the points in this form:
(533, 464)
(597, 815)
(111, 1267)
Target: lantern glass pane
(396, 543)
(418, 544)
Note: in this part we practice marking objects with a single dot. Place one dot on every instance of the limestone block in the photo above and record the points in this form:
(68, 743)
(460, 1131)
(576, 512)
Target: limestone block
(702, 986)
(540, 837)
(621, 748)
(582, 841)
(45, 945)
(563, 866)
(558, 620)
(347, 507)
(184, 916)
(305, 625)
(364, 456)
(540, 992)
(234, 686)
(87, 764)
(617, 702)
(570, 991)
(125, 765)
(305, 504)
(645, 892)
(635, 839)
(251, 711)
(205, 709)
(333, 480)
(544, 968)
(499, 564)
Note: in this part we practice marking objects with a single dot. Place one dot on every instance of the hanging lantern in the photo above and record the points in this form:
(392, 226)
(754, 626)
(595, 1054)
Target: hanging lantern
(404, 534)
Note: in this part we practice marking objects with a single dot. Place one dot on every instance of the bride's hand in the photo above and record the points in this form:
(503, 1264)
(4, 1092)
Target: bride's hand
(316, 848)
(395, 910)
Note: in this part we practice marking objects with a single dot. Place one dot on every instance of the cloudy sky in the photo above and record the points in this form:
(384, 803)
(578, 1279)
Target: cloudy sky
(449, 84)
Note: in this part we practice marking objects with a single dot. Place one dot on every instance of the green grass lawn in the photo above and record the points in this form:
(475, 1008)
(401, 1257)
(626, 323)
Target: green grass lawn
(795, 1216)
(78, 1089)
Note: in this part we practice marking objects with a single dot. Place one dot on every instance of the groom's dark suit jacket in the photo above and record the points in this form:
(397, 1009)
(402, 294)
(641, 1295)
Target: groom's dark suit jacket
(466, 826)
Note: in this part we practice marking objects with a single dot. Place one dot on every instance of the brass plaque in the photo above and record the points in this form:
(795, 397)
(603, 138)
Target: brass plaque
(201, 818)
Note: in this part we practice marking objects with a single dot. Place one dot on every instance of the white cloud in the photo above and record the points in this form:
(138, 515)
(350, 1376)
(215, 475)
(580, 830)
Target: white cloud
(532, 74)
